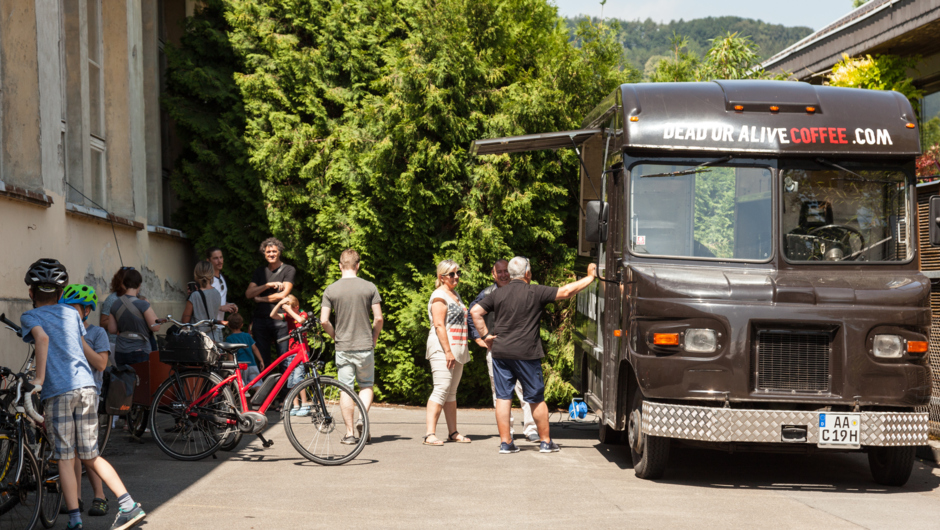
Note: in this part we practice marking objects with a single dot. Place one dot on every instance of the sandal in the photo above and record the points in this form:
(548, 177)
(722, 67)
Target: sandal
(438, 442)
(459, 438)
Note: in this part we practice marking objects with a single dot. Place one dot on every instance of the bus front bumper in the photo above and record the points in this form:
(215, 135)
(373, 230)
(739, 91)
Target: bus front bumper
(722, 425)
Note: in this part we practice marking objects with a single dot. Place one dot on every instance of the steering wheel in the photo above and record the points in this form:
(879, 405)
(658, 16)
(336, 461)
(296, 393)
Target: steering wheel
(846, 232)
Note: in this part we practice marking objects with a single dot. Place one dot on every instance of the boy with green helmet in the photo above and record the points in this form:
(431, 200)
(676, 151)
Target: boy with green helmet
(85, 300)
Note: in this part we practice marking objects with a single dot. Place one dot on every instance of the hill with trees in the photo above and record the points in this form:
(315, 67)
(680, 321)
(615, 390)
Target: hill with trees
(646, 42)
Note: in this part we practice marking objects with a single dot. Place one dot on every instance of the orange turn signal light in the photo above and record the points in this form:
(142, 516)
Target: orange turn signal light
(739, 108)
(617, 333)
(810, 109)
(916, 346)
(634, 118)
(910, 126)
(774, 108)
(666, 339)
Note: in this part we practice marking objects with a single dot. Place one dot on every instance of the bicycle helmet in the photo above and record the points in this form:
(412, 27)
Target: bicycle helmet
(45, 273)
(77, 293)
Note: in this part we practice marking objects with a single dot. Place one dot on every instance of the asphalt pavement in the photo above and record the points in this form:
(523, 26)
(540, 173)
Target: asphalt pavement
(399, 483)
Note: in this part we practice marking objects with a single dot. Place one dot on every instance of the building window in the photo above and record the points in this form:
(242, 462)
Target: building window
(95, 74)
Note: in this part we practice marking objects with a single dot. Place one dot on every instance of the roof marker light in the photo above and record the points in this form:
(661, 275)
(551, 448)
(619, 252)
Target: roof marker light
(910, 126)
(739, 108)
(634, 118)
(774, 108)
(810, 109)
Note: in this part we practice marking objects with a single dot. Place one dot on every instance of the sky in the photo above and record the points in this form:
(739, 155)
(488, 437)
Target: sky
(815, 14)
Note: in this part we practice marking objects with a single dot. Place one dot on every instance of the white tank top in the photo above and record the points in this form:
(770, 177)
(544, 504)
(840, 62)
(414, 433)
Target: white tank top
(456, 325)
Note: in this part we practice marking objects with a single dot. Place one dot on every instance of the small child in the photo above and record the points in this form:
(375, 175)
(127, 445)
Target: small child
(235, 323)
(294, 317)
(70, 398)
(84, 299)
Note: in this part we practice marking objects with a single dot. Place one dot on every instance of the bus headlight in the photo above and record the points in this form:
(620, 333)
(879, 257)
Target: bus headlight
(888, 346)
(700, 341)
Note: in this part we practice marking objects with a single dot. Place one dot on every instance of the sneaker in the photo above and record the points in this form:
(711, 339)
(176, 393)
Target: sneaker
(78, 526)
(549, 447)
(506, 448)
(349, 440)
(64, 510)
(294, 411)
(304, 411)
(129, 518)
(98, 508)
(533, 437)
(359, 428)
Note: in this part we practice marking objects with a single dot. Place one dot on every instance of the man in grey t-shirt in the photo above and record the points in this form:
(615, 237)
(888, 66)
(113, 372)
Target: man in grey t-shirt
(350, 298)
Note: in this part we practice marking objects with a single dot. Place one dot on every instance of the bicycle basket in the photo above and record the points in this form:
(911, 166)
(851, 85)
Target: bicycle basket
(189, 347)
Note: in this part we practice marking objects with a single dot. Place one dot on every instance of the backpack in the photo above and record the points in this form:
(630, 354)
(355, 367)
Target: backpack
(117, 390)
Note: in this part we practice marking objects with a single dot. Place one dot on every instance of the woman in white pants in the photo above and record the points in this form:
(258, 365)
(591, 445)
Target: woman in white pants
(447, 351)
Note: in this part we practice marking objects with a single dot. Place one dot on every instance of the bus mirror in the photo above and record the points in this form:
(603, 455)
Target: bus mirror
(595, 223)
(934, 220)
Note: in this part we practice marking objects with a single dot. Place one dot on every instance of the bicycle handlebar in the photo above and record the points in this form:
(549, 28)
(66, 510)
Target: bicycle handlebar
(22, 385)
(10, 324)
(207, 322)
(303, 328)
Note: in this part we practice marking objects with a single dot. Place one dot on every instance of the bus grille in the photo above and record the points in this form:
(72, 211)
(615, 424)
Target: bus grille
(793, 361)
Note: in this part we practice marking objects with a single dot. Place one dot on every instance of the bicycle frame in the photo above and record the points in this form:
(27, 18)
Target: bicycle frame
(300, 350)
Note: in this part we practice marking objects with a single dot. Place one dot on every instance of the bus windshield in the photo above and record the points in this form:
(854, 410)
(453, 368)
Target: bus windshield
(843, 215)
(702, 212)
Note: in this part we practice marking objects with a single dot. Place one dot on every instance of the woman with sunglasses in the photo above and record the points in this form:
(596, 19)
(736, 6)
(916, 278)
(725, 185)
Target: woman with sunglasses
(447, 351)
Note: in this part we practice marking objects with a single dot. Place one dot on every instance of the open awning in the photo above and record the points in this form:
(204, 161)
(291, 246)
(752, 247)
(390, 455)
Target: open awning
(531, 142)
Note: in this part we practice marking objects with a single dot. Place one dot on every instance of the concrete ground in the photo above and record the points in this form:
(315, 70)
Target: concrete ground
(398, 483)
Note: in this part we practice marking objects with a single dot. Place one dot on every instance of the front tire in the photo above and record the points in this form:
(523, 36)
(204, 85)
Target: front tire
(891, 466)
(20, 500)
(52, 492)
(105, 422)
(318, 437)
(650, 453)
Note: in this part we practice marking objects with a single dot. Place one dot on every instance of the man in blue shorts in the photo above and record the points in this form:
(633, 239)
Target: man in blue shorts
(517, 348)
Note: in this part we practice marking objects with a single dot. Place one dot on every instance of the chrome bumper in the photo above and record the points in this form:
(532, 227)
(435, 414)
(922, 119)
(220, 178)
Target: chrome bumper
(711, 424)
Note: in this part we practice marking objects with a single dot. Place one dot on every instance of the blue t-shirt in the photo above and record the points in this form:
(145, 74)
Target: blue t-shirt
(66, 366)
(244, 355)
(97, 339)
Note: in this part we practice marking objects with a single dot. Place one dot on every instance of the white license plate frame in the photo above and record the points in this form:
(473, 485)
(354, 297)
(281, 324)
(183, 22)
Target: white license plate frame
(839, 430)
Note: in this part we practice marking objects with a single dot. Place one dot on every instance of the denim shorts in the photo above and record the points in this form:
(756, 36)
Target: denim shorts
(296, 375)
(507, 371)
(352, 366)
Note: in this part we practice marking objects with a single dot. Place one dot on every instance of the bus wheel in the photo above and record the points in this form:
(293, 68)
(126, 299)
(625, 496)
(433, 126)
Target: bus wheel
(650, 453)
(891, 466)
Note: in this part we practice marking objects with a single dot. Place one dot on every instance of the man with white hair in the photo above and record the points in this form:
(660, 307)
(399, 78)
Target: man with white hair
(517, 348)
(501, 278)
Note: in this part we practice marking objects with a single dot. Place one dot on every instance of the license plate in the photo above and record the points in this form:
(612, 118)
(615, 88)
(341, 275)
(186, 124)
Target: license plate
(839, 430)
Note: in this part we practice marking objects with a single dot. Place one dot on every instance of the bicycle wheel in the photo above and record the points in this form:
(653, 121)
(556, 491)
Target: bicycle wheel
(104, 431)
(181, 435)
(20, 491)
(137, 420)
(318, 437)
(234, 438)
(52, 492)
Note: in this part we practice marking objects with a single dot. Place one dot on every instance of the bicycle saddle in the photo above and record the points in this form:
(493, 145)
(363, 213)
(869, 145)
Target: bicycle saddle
(230, 346)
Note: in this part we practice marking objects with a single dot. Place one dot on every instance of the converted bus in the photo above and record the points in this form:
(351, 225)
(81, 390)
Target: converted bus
(758, 270)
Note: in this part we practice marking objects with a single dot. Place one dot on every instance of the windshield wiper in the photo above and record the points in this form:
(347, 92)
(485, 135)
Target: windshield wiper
(697, 169)
(854, 174)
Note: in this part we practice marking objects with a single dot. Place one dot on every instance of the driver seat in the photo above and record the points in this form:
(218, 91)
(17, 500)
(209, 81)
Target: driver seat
(813, 214)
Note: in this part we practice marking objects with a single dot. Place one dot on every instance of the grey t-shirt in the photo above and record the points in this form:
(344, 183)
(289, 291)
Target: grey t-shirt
(127, 321)
(214, 301)
(352, 299)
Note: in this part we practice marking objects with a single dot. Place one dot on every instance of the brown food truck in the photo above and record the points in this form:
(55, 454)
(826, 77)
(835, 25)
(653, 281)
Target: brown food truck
(759, 272)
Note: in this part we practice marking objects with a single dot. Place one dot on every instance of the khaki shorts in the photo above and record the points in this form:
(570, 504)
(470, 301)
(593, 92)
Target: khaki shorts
(353, 366)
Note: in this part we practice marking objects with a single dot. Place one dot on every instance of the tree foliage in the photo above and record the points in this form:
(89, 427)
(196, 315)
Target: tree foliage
(881, 72)
(645, 40)
(355, 118)
(730, 56)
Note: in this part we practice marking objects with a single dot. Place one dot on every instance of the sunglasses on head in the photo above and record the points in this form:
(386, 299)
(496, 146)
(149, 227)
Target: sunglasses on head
(455, 274)
(127, 268)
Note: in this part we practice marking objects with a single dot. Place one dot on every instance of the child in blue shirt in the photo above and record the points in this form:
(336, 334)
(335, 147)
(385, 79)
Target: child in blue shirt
(69, 395)
(84, 299)
(244, 355)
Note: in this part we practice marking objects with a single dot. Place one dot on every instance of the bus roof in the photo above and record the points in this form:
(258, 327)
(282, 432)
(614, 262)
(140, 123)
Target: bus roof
(745, 116)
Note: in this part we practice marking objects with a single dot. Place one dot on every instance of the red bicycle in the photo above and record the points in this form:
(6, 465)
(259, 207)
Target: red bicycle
(194, 412)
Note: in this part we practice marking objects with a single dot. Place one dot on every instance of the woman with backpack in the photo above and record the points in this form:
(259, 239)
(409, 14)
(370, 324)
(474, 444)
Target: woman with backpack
(133, 321)
(204, 302)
